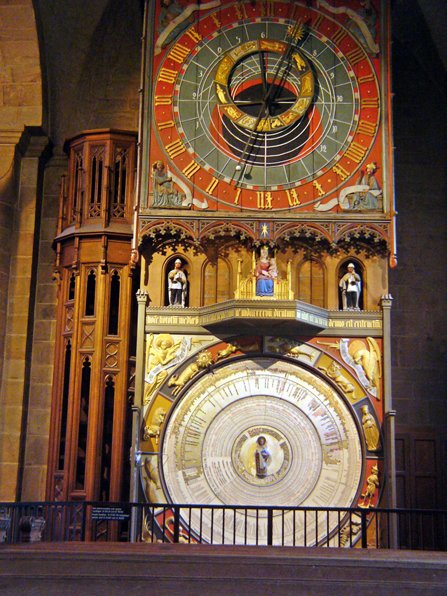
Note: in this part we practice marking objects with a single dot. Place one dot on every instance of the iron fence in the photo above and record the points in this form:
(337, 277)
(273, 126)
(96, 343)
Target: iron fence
(215, 524)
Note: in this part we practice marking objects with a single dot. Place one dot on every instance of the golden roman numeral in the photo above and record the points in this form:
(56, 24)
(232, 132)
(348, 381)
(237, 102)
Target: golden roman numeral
(192, 33)
(212, 185)
(341, 172)
(367, 128)
(179, 53)
(339, 36)
(355, 56)
(241, 13)
(216, 20)
(366, 78)
(191, 169)
(356, 152)
(236, 198)
(267, 9)
(319, 188)
(163, 100)
(369, 102)
(167, 75)
(175, 148)
(166, 124)
(317, 21)
(264, 200)
(293, 197)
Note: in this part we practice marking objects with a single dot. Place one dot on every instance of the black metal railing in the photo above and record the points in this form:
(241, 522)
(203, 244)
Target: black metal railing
(214, 524)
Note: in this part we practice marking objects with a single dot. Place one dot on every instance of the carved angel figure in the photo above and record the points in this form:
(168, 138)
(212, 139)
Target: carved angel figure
(370, 361)
(160, 352)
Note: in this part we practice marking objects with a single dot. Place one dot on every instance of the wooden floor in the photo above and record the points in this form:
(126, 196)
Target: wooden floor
(117, 568)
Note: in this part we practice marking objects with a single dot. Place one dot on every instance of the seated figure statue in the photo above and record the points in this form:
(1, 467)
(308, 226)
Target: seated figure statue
(165, 195)
(265, 273)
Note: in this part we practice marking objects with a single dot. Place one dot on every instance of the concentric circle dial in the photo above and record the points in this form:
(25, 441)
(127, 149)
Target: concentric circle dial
(301, 146)
(259, 88)
(261, 432)
(257, 120)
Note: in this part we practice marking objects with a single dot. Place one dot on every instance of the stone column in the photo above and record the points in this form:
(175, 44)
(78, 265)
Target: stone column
(389, 419)
(136, 412)
(24, 231)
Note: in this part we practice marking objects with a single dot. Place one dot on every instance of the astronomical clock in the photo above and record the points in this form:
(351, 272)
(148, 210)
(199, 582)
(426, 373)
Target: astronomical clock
(265, 232)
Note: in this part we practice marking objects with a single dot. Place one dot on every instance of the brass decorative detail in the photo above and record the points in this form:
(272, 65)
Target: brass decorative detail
(370, 430)
(203, 360)
(152, 431)
(280, 346)
(335, 345)
(230, 349)
(152, 484)
(355, 323)
(351, 529)
(372, 483)
(333, 371)
(369, 360)
(162, 355)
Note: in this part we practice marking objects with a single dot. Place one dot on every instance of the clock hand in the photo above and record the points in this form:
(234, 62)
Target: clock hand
(262, 67)
(296, 33)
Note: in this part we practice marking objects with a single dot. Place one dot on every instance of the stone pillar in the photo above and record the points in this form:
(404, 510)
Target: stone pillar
(44, 327)
(389, 419)
(136, 411)
(24, 229)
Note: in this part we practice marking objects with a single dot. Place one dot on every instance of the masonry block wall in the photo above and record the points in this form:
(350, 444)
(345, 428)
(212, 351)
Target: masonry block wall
(20, 106)
(419, 283)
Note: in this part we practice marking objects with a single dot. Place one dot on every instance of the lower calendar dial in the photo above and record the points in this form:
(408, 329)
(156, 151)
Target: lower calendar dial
(261, 432)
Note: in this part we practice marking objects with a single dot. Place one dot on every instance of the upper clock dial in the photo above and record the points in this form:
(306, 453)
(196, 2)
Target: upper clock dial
(259, 120)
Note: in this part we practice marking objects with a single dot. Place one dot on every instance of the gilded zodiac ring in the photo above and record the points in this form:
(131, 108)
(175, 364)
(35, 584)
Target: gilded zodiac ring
(256, 86)
(261, 455)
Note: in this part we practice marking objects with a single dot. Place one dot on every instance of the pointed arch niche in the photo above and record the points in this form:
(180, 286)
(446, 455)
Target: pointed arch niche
(216, 282)
(312, 282)
(360, 270)
(169, 266)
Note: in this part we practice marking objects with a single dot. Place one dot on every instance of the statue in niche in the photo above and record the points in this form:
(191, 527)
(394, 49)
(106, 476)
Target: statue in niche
(372, 435)
(177, 285)
(165, 195)
(266, 272)
(351, 285)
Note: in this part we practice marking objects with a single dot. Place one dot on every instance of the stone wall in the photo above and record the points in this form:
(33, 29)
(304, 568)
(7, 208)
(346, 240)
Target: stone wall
(20, 106)
(419, 283)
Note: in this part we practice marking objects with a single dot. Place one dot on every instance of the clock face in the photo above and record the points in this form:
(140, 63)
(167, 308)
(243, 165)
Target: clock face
(255, 112)
(261, 431)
